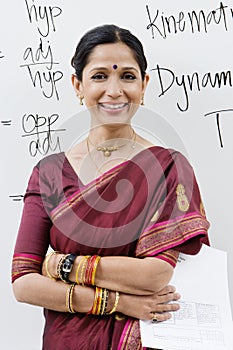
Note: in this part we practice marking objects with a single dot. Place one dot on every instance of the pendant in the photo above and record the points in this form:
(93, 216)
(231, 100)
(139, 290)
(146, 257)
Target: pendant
(107, 151)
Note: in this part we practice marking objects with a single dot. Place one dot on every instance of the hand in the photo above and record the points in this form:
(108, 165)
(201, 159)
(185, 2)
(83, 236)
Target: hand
(144, 307)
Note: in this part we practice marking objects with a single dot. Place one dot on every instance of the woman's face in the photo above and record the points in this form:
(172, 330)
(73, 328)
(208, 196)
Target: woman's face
(111, 84)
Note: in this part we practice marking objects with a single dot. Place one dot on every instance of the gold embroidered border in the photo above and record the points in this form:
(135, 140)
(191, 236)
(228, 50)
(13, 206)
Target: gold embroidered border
(171, 233)
(22, 265)
(132, 339)
(170, 255)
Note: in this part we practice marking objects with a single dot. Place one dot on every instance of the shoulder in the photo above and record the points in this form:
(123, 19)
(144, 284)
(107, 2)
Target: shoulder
(170, 158)
(55, 159)
(51, 163)
(49, 167)
(166, 153)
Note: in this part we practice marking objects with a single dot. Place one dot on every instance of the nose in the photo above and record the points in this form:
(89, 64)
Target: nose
(114, 88)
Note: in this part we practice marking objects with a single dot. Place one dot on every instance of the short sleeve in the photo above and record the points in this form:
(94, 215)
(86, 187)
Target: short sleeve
(176, 220)
(33, 235)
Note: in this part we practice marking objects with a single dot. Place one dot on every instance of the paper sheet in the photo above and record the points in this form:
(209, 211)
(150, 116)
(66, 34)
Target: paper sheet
(204, 321)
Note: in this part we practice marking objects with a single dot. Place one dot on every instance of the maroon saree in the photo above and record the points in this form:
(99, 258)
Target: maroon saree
(147, 206)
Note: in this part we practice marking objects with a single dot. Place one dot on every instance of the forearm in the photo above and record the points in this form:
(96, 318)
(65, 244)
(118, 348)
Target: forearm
(126, 274)
(132, 275)
(42, 291)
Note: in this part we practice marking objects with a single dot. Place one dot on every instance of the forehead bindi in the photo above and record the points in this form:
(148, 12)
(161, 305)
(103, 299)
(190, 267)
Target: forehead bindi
(112, 56)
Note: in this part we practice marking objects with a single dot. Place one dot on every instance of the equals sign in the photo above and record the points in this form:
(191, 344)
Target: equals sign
(6, 122)
(17, 197)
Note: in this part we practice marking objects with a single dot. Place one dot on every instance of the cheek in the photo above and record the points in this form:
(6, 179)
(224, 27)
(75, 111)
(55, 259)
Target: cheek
(92, 92)
(136, 92)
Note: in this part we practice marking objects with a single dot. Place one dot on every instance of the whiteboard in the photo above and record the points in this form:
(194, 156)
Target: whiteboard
(188, 106)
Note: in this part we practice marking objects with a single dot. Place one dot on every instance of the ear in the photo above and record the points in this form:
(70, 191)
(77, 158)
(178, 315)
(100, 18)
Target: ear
(77, 84)
(145, 82)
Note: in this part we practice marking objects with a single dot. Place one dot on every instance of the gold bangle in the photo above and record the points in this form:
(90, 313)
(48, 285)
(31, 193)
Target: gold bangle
(105, 302)
(115, 304)
(77, 271)
(83, 269)
(47, 265)
(69, 298)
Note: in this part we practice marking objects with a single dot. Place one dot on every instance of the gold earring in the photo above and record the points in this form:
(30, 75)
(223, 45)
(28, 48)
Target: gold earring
(142, 101)
(81, 100)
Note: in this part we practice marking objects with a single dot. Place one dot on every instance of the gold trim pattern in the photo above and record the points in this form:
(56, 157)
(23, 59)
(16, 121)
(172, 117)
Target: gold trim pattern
(182, 200)
(171, 233)
(202, 210)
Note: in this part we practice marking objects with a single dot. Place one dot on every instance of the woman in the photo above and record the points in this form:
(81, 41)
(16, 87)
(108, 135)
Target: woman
(115, 209)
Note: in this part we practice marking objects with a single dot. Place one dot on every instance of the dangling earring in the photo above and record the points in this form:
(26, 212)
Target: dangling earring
(81, 100)
(142, 101)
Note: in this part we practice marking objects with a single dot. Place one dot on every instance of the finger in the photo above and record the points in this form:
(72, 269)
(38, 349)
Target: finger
(166, 307)
(160, 317)
(167, 298)
(166, 290)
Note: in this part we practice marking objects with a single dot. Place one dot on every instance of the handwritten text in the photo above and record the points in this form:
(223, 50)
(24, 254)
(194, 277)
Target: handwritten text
(43, 16)
(194, 21)
(190, 82)
(40, 65)
(40, 128)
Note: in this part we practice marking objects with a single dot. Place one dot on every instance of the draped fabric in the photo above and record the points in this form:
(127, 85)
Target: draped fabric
(149, 205)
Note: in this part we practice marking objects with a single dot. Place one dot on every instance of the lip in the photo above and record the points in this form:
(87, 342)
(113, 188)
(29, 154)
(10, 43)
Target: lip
(113, 107)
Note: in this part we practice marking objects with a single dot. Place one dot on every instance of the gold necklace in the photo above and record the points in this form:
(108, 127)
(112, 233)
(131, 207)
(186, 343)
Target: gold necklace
(89, 152)
(107, 150)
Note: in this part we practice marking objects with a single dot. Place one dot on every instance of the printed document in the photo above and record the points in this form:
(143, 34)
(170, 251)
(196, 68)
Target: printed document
(204, 321)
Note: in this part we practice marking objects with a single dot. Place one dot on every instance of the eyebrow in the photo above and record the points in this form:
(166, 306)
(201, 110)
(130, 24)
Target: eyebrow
(105, 68)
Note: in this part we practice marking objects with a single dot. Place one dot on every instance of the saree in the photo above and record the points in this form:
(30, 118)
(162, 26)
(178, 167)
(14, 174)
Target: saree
(149, 205)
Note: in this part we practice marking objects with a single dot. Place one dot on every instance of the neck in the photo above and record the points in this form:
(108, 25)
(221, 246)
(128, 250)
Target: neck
(110, 133)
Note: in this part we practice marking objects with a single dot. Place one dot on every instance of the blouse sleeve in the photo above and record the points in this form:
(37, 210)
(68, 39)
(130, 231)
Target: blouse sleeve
(176, 221)
(33, 235)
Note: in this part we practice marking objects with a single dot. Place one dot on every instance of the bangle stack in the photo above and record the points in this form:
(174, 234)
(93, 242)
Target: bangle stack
(86, 270)
(100, 302)
(85, 275)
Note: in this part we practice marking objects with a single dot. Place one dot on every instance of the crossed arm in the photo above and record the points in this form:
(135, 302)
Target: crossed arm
(142, 283)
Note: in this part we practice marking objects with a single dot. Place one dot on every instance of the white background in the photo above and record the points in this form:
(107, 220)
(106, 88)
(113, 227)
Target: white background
(182, 53)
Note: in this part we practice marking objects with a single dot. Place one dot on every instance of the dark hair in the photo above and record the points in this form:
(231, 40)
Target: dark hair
(106, 34)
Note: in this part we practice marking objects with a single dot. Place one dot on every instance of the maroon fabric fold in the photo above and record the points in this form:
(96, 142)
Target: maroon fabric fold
(147, 206)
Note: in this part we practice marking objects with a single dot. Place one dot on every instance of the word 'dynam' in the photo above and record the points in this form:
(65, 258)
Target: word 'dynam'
(190, 82)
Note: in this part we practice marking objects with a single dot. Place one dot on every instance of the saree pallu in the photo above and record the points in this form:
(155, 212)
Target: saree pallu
(147, 206)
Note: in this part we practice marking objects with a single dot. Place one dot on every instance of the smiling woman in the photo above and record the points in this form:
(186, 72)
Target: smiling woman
(115, 209)
(111, 93)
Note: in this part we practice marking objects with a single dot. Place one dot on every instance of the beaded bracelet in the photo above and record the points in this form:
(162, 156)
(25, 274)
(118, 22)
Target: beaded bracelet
(59, 268)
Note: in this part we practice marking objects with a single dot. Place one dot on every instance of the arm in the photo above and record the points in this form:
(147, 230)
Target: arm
(131, 275)
(42, 291)
(125, 274)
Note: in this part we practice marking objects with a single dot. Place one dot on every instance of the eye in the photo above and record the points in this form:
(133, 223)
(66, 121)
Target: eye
(128, 76)
(98, 76)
